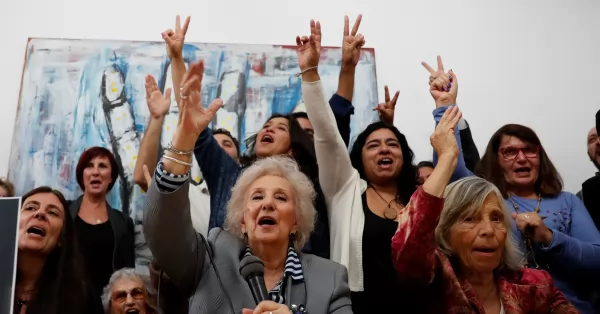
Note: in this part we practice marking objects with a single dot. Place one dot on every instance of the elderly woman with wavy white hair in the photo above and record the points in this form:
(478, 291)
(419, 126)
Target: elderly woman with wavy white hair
(270, 216)
(129, 292)
(454, 245)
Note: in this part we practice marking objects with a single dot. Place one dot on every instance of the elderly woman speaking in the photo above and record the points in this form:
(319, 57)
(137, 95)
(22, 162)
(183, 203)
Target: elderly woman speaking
(468, 263)
(269, 216)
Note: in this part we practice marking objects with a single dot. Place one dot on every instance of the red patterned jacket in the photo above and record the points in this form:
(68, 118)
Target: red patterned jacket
(429, 275)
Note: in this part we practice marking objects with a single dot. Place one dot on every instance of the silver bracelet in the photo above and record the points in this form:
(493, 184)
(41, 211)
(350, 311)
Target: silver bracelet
(174, 150)
(306, 70)
(175, 160)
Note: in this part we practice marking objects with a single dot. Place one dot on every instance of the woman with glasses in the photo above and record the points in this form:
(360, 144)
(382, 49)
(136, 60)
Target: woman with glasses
(553, 227)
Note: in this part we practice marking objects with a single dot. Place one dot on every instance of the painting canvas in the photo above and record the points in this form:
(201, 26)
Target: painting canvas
(76, 94)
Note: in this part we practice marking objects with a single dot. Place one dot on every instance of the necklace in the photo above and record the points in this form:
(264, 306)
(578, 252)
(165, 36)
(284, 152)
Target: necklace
(526, 236)
(389, 212)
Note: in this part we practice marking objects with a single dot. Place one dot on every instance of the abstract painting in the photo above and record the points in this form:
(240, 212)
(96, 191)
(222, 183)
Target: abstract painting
(76, 94)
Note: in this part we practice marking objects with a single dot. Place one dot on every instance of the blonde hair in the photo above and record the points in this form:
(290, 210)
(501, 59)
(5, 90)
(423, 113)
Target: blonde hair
(466, 197)
(304, 195)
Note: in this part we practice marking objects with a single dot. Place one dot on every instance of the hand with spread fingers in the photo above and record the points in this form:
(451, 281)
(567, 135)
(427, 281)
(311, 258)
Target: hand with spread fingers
(309, 47)
(268, 307)
(443, 139)
(352, 43)
(157, 104)
(175, 39)
(442, 86)
(532, 224)
(386, 110)
(193, 117)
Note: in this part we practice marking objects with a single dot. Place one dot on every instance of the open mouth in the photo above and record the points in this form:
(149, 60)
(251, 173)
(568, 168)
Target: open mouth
(135, 311)
(485, 250)
(96, 183)
(37, 231)
(266, 221)
(266, 139)
(523, 170)
(384, 162)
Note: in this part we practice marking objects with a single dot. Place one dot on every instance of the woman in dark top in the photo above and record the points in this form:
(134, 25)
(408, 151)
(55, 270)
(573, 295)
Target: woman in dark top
(50, 278)
(105, 235)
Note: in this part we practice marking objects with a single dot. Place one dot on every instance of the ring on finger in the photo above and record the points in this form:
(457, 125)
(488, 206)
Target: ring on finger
(526, 216)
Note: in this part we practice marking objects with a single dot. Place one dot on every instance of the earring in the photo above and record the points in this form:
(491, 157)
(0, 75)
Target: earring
(245, 238)
(292, 239)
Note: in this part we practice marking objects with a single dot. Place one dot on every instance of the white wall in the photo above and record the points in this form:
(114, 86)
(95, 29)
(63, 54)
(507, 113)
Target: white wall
(529, 62)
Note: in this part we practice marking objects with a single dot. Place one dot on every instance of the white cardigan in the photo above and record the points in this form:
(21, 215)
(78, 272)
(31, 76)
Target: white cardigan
(341, 185)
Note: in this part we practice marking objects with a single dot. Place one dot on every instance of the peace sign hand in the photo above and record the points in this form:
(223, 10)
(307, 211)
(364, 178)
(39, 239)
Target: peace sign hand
(443, 139)
(434, 73)
(386, 109)
(352, 43)
(193, 117)
(309, 47)
(443, 87)
(175, 39)
(157, 104)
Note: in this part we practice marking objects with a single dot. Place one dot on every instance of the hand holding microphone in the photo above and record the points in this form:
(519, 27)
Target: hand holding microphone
(252, 270)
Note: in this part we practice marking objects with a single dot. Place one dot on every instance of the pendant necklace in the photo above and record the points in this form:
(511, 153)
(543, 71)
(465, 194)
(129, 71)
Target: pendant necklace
(389, 212)
(528, 244)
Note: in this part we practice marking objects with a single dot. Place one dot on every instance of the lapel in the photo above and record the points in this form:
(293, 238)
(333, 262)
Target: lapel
(295, 292)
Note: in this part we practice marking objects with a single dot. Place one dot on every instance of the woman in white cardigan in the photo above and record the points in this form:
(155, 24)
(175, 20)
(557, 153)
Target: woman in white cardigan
(364, 191)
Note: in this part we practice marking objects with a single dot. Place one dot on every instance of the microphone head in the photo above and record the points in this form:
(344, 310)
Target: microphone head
(251, 266)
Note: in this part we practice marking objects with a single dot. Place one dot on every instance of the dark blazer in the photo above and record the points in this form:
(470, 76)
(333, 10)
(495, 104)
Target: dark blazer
(184, 256)
(122, 225)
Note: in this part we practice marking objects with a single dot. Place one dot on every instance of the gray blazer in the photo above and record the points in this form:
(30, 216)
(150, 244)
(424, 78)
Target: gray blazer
(184, 256)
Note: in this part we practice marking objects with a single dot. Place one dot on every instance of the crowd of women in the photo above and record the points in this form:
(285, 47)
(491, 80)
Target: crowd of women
(364, 231)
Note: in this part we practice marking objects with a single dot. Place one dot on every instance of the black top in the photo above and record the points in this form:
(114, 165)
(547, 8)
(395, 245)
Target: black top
(96, 244)
(380, 280)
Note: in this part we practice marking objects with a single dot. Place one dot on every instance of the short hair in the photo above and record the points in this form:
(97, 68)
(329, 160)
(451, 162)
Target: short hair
(226, 132)
(465, 197)
(127, 273)
(549, 182)
(300, 114)
(304, 195)
(8, 186)
(425, 164)
(87, 156)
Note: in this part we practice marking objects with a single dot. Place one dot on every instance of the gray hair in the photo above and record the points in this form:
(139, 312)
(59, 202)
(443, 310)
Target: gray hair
(465, 197)
(122, 274)
(302, 186)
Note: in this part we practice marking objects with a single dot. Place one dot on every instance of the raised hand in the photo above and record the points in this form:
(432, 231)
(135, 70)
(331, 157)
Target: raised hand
(157, 104)
(352, 43)
(175, 39)
(434, 73)
(386, 109)
(443, 139)
(193, 117)
(443, 87)
(309, 47)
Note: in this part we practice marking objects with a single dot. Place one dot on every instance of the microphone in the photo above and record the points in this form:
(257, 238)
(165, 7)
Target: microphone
(252, 270)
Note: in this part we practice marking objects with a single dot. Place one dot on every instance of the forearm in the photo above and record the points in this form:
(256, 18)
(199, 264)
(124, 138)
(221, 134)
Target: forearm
(440, 177)
(148, 153)
(182, 141)
(572, 252)
(346, 82)
(177, 72)
(460, 170)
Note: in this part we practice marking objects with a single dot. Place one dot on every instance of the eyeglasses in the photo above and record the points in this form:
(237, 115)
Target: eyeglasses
(121, 296)
(510, 152)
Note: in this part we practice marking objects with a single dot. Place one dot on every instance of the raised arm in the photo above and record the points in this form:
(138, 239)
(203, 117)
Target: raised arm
(461, 170)
(468, 147)
(581, 249)
(167, 222)
(335, 168)
(413, 246)
(175, 40)
(149, 148)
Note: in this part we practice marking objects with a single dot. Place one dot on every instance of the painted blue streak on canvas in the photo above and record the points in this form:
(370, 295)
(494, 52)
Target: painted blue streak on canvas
(77, 94)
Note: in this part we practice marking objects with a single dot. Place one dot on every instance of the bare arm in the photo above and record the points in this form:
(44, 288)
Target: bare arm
(177, 72)
(148, 154)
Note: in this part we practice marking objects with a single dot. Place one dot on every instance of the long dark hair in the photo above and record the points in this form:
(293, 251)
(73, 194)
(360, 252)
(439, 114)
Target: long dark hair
(408, 179)
(62, 288)
(302, 146)
(549, 182)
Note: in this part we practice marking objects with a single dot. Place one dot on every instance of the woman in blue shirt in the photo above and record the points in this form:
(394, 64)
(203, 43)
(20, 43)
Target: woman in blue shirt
(553, 227)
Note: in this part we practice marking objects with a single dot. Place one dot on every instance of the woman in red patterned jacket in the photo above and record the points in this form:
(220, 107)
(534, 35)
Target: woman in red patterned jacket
(454, 251)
